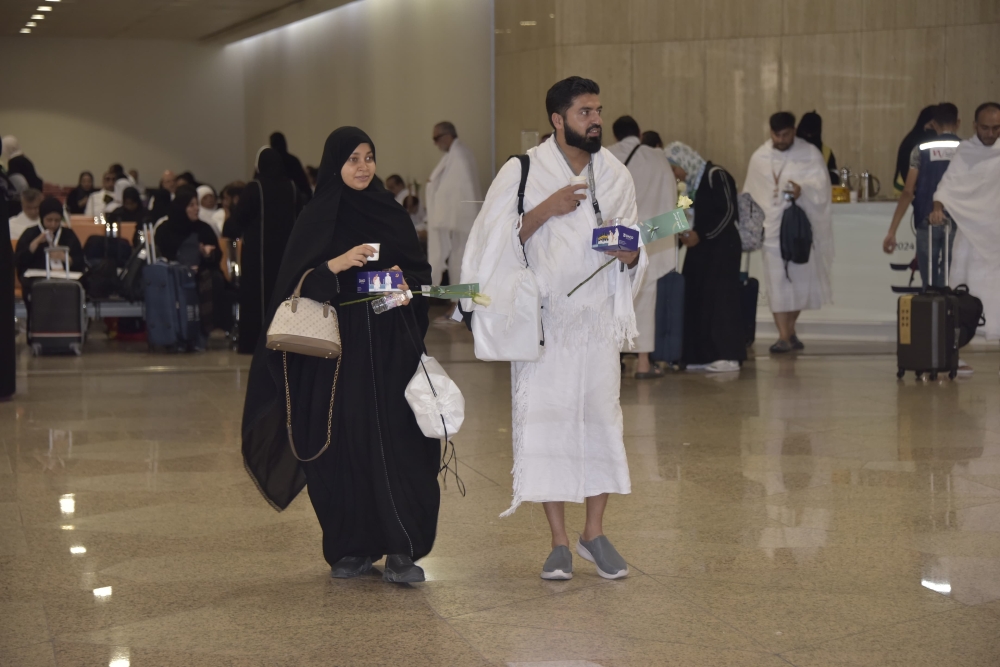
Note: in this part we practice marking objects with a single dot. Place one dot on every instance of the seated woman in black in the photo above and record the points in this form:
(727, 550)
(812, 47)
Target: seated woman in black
(185, 239)
(76, 202)
(375, 489)
(131, 209)
(30, 252)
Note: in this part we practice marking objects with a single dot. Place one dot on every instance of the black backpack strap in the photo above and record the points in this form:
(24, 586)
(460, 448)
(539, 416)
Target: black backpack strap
(525, 168)
(629, 158)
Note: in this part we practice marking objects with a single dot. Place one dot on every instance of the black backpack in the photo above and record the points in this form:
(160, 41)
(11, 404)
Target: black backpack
(796, 236)
(970, 314)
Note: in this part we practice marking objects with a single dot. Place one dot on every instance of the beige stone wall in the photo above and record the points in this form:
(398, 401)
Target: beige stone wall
(710, 73)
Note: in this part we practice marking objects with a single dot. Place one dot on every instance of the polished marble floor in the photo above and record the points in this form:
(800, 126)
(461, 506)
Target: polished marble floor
(811, 511)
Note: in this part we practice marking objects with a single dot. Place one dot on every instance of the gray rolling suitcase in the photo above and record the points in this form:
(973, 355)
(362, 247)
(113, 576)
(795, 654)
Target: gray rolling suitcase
(58, 322)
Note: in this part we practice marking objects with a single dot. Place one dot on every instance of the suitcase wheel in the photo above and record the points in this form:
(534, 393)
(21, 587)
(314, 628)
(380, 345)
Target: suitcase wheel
(933, 376)
(952, 374)
(900, 373)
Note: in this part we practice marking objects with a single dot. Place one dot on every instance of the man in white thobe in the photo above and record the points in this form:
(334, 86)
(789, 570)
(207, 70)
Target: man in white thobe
(567, 419)
(31, 201)
(655, 194)
(783, 170)
(970, 191)
(453, 199)
(100, 201)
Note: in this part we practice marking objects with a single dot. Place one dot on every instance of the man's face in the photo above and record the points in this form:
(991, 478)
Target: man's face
(784, 139)
(394, 186)
(582, 125)
(52, 221)
(988, 126)
(31, 208)
(108, 182)
(168, 181)
(442, 139)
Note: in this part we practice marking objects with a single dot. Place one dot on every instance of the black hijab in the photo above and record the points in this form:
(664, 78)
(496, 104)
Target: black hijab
(293, 167)
(178, 227)
(336, 209)
(916, 136)
(811, 129)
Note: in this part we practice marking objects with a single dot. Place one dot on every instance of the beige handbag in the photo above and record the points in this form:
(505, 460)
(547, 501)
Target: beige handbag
(305, 327)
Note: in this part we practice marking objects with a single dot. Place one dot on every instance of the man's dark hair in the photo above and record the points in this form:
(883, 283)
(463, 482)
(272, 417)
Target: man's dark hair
(234, 189)
(447, 127)
(783, 120)
(651, 138)
(561, 95)
(984, 106)
(946, 114)
(395, 178)
(625, 127)
(117, 170)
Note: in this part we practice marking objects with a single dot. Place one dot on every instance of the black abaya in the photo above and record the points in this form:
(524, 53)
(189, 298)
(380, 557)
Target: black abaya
(375, 489)
(713, 328)
(7, 350)
(264, 240)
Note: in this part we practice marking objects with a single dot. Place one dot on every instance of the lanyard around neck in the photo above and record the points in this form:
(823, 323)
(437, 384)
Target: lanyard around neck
(590, 182)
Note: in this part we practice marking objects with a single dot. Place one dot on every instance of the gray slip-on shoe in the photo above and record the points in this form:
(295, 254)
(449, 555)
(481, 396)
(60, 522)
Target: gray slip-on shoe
(349, 567)
(559, 564)
(402, 570)
(603, 554)
(796, 343)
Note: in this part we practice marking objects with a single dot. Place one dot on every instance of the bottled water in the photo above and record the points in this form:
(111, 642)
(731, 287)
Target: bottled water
(390, 301)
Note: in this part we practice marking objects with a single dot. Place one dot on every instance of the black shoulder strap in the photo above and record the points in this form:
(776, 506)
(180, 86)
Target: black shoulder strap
(525, 168)
(629, 158)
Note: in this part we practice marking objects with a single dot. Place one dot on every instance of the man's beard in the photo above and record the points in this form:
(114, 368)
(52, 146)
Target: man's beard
(582, 141)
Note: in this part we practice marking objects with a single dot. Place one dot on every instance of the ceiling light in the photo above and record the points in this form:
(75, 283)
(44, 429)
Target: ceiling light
(25, 31)
(30, 24)
(104, 592)
(53, 0)
(37, 17)
(43, 8)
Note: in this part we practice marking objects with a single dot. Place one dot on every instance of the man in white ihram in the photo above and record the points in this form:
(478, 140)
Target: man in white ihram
(970, 191)
(567, 418)
(786, 166)
(655, 194)
(453, 196)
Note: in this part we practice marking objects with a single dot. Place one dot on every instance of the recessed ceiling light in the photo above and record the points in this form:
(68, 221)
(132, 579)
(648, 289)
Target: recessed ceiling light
(43, 8)
(37, 17)
(30, 24)
(25, 31)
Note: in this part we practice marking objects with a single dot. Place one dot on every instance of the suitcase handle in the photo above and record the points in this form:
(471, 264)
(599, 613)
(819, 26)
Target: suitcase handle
(947, 254)
(48, 260)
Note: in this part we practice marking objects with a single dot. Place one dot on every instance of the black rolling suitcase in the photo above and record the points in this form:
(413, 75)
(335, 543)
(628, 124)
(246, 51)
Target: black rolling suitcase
(669, 339)
(749, 293)
(928, 327)
(58, 320)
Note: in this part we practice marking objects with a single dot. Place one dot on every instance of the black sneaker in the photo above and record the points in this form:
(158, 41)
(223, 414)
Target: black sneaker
(796, 343)
(349, 567)
(781, 347)
(402, 570)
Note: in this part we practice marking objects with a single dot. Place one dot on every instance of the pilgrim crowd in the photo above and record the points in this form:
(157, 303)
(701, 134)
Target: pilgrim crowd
(370, 469)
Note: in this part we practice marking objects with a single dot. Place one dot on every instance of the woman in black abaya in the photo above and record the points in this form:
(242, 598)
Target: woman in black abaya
(264, 219)
(375, 489)
(713, 327)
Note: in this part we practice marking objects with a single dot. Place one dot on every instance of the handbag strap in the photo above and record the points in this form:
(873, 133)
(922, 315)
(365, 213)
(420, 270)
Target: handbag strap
(298, 288)
(288, 410)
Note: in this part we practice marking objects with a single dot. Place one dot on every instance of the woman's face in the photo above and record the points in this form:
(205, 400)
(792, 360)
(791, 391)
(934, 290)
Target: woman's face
(359, 170)
(208, 201)
(51, 221)
(86, 181)
(192, 209)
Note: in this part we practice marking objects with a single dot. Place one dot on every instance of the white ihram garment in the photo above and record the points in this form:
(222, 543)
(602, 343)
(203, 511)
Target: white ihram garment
(807, 286)
(655, 194)
(970, 190)
(96, 205)
(453, 196)
(567, 419)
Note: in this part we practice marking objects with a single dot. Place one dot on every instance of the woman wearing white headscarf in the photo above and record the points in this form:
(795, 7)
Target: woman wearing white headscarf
(207, 206)
(713, 338)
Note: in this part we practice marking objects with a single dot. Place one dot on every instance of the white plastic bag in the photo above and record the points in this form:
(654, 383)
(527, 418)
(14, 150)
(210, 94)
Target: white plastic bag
(435, 399)
(498, 336)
